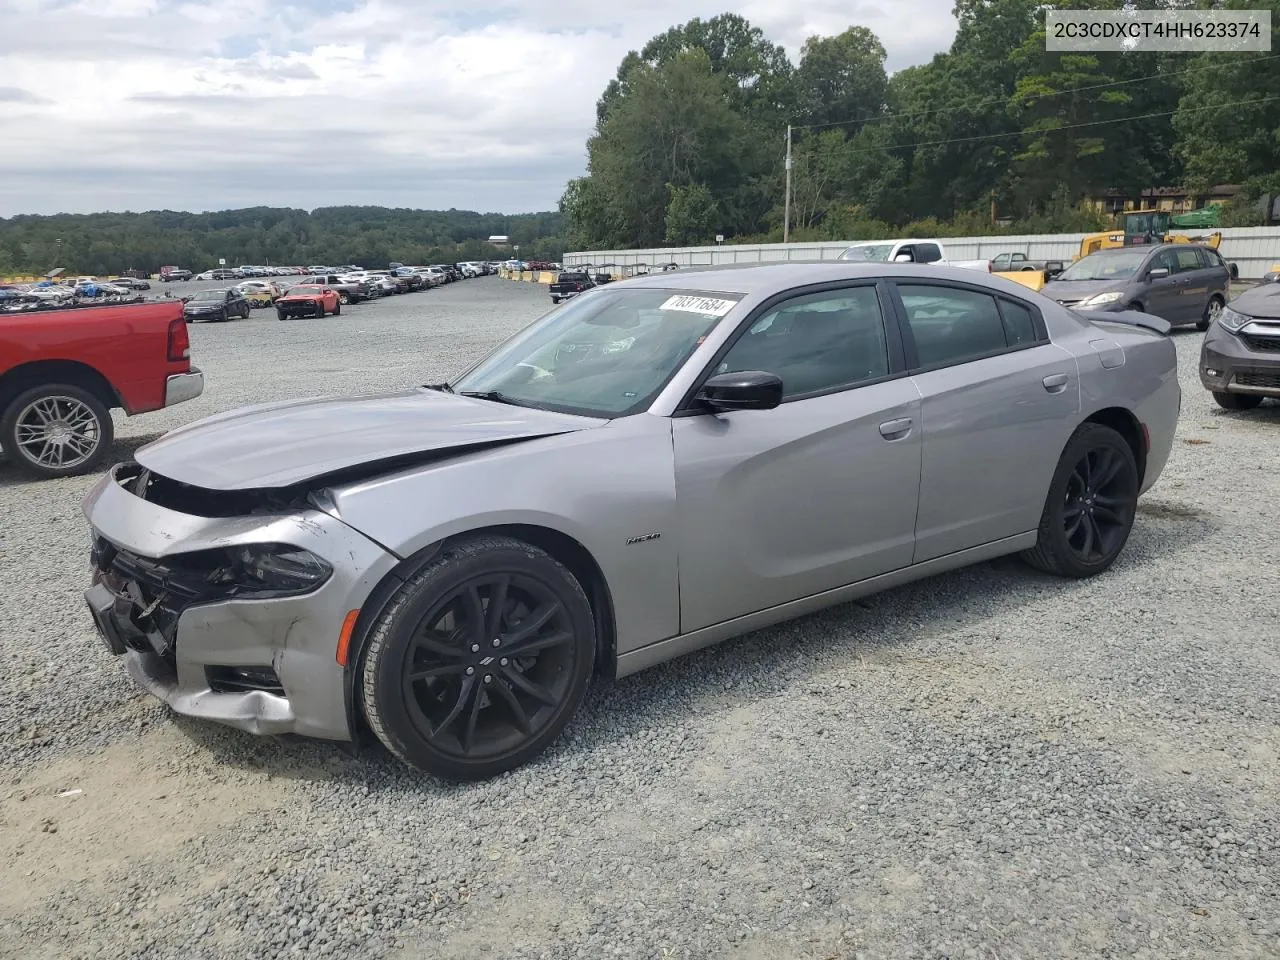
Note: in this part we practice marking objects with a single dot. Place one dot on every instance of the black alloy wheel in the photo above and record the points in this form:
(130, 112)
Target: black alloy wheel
(480, 660)
(1091, 505)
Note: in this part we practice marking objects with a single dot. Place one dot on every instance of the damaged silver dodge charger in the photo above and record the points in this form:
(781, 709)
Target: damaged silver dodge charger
(653, 467)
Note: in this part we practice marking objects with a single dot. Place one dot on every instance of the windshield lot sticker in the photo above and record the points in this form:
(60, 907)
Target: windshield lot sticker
(707, 306)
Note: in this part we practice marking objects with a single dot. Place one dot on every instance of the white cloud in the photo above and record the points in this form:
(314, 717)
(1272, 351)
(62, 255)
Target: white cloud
(144, 104)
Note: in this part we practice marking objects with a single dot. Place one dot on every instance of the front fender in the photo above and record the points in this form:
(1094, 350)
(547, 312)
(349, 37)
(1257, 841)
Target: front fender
(611, 489)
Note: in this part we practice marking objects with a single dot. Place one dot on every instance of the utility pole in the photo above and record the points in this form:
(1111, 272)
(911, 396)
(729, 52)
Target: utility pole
(786, 205)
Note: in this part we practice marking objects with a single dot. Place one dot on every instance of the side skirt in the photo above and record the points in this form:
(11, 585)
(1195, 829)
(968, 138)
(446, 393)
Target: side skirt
(678, 646)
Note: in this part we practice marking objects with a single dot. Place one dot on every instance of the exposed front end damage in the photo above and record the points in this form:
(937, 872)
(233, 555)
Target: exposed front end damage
(228, 605)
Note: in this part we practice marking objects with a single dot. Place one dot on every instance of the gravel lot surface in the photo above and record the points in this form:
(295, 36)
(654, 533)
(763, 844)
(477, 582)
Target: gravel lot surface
(991, 764)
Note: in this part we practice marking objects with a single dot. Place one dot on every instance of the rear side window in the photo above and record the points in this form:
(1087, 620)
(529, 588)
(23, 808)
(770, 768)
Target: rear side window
(950, 325)
(1188, 259)
(1019, 328)
(927, 253)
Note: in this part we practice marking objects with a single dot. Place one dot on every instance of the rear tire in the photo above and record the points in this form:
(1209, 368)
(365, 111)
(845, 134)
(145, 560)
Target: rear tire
(1091, 505)
(337, 309)
(1212, 309)
(1237, 401)
(80, 422)
(478, 708)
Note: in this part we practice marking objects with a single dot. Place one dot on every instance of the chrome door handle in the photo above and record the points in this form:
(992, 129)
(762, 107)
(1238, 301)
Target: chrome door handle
(1056, 382)
(895, 429)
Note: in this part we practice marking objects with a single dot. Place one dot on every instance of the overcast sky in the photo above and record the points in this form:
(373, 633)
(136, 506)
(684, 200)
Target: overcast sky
(215, 104)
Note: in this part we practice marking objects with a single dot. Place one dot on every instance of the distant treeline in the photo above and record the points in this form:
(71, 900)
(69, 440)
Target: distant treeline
(107, 243)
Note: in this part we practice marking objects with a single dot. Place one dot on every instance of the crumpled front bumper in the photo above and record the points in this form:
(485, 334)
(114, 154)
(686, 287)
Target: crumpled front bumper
(293, 638)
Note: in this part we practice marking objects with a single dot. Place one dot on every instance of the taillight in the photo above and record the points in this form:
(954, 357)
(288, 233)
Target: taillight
(179, 341)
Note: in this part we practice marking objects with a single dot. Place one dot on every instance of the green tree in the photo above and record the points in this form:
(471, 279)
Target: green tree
(692, 215)
(841, 78)
(675, 124)
(1221, 137)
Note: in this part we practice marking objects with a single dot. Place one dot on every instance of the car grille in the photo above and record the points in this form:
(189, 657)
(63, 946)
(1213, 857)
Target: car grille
(1261, 344)
(164, 592)
(1264, 381)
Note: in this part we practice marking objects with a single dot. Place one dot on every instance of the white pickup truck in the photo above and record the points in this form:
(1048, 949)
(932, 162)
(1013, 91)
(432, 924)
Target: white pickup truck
(909, 251)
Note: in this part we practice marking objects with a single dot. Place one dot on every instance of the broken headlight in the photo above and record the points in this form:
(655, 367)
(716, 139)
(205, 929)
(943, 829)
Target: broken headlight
(271, 569)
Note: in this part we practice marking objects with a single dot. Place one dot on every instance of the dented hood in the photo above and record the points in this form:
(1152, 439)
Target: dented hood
(282, 444)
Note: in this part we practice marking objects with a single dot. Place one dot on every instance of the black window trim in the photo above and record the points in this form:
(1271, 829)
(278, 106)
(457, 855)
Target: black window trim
(908, 338)
(690, 407)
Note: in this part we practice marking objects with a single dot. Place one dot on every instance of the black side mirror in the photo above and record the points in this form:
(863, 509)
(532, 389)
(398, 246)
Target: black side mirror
(1155, 273)
(745, 390)
(1053, 268)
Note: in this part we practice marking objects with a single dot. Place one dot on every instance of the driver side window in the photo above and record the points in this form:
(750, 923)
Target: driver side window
(817, 343)
(1166, 259)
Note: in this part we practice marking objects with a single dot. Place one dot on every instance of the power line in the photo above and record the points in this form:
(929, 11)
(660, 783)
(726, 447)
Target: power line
(1070, 126)
(1043, 96)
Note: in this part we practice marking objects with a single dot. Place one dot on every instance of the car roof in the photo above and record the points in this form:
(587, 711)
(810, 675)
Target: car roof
(1144, 248)
(755, 278)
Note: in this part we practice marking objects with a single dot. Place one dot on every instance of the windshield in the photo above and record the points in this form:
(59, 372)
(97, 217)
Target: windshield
(868, 251)
(1105, 266)
(607, 353)
(210, 295)
(306, 291)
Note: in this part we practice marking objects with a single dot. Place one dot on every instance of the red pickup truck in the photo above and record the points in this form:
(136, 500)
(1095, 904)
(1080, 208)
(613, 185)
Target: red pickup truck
(62, 371)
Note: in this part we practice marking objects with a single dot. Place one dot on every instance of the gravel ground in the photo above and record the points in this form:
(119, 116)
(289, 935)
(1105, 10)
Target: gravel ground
(988, 764)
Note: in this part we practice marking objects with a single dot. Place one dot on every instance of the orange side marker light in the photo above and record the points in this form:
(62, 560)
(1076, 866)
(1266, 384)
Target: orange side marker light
(344, 636)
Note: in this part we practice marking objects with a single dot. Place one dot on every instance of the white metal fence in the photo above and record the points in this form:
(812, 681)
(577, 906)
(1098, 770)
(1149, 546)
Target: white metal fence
(1254, 249)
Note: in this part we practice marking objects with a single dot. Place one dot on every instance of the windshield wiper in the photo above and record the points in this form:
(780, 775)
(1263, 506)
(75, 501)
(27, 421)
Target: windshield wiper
(494, 395)
(443, 387)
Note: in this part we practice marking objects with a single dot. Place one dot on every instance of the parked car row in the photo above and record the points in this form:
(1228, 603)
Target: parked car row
(51, 295)
(459, 271)
(318, 294)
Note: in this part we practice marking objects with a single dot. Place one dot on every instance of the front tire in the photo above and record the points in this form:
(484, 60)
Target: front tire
(1237, 401)
(1091, 505)
(56, 430)
(479, 661)
(337, 309)
(281, 315)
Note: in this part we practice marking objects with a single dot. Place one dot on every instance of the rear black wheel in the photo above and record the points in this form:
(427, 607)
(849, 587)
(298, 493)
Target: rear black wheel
(337, 309)
(479, 661)
(1237, 401)
(1090, 507)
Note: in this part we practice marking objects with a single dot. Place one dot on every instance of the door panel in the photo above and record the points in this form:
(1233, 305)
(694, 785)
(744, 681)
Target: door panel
(993, 432)
(1193, 282)
(779, 504)
(1163, 294)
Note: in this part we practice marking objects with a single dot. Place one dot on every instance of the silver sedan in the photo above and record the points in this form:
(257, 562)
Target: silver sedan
(658, 465)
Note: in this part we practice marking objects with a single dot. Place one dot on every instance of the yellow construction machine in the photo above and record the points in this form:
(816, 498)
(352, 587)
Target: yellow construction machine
(1148, 226)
